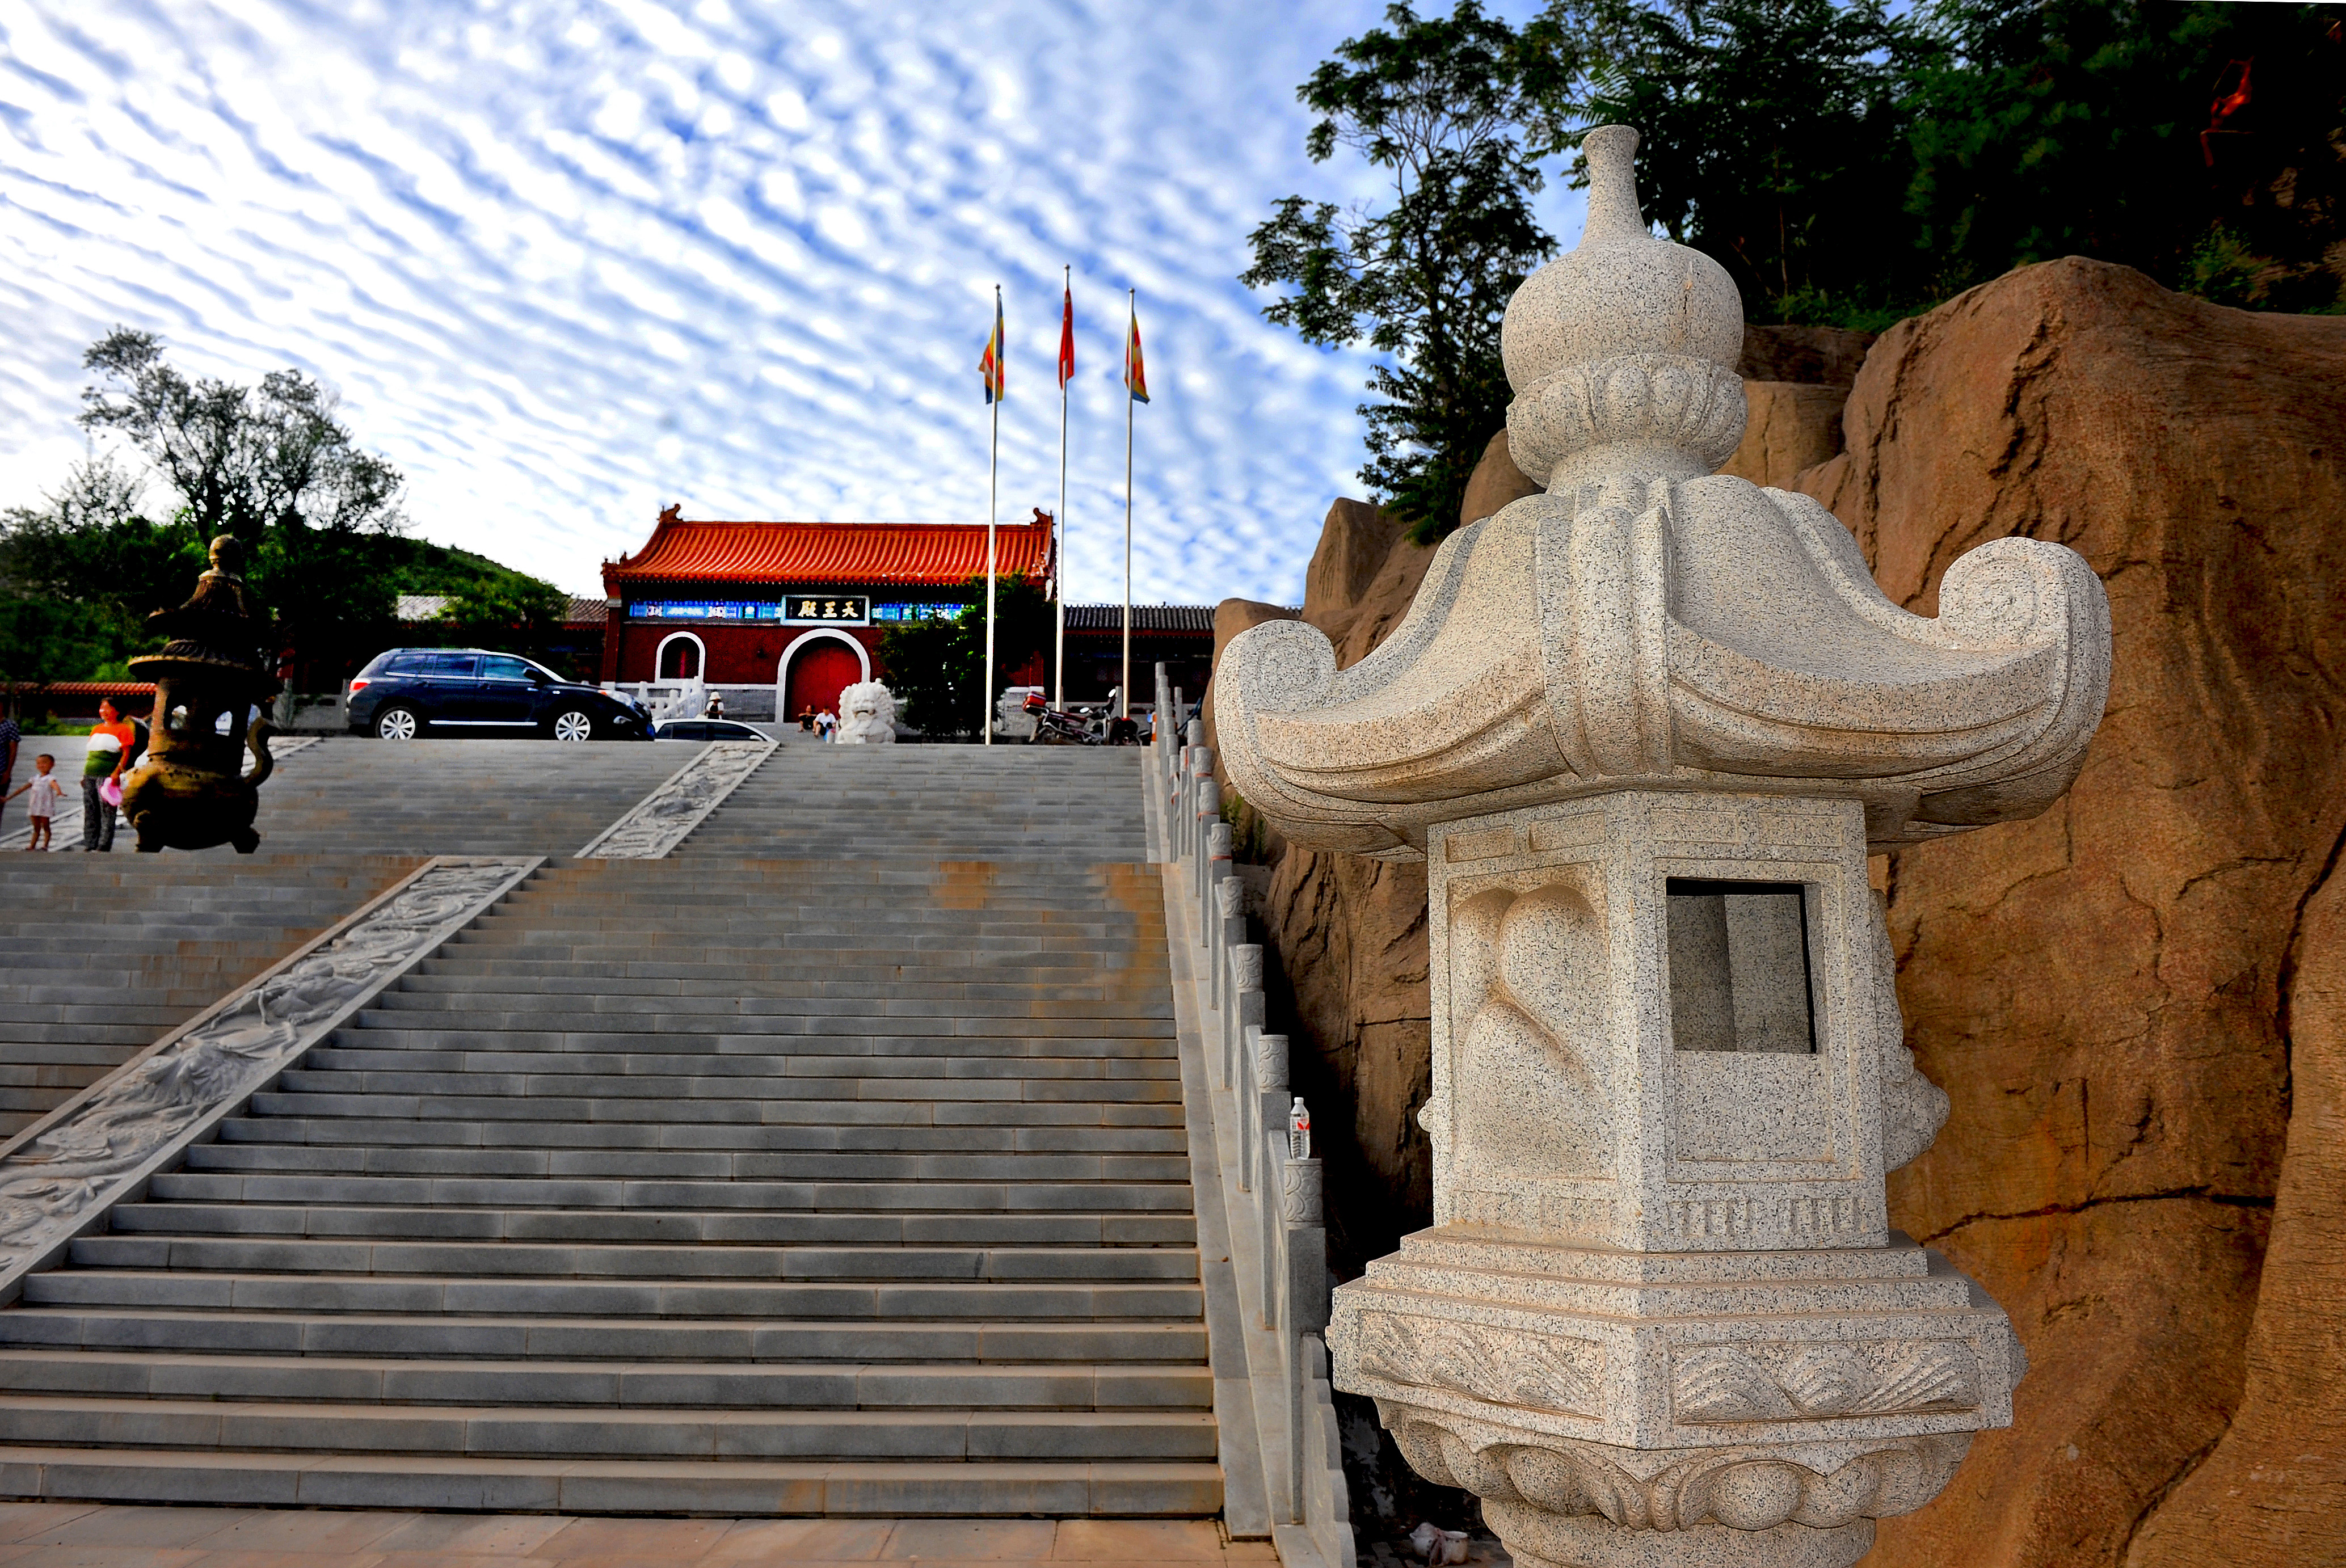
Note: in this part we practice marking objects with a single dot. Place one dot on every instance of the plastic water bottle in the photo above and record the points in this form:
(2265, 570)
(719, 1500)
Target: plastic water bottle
(1299, 1131)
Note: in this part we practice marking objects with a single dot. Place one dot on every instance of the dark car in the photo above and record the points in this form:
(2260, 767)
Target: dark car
(706, 729)
(472, 691)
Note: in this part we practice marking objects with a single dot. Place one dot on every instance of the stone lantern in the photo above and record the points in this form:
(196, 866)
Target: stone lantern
(188, 793)
(1644, 729)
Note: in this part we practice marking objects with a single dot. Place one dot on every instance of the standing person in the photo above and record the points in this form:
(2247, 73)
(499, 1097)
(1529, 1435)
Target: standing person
(108, 755)
(38, 811)
(10, 735)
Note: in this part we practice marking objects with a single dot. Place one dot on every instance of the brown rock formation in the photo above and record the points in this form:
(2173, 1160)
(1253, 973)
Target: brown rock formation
(1812, 356)
(1792, 426)
(1794, 379)
(2123, 996)
(1353, 544)
(1495, 482)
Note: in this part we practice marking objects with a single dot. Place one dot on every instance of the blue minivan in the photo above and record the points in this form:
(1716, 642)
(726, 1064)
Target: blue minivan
(404, 692)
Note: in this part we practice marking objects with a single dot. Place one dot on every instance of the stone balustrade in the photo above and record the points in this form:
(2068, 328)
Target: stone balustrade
(1271, 1190)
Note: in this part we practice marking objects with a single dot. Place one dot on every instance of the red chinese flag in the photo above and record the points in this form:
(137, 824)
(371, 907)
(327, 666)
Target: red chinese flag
(1067, 338)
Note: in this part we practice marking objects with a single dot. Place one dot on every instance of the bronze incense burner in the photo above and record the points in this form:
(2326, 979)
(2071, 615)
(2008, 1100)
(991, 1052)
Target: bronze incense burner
(211, 676)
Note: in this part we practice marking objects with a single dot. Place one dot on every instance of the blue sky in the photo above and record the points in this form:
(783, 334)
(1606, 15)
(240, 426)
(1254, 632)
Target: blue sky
(569, 262)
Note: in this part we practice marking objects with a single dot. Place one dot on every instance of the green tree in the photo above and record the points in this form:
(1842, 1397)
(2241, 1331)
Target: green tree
(520, 614)
(1441, 106)
(2053, 127)
(273, 464)
(937, 667)
(79, 573)
(1771, 135)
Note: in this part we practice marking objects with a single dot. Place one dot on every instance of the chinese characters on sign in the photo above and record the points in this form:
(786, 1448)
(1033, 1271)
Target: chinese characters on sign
(828, 609)
(702, 610)
(798, 609)
(916, 612)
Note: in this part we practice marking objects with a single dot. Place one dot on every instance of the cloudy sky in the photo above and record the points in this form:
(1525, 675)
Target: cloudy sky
(567, 262)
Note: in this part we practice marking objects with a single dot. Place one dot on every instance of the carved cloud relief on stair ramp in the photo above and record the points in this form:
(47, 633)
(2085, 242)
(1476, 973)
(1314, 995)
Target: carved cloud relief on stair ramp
(88, 1152)
(660, 821)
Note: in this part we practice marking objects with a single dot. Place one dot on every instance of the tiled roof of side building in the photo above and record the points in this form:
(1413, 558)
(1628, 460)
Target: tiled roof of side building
(1144, 618)
(908, 554)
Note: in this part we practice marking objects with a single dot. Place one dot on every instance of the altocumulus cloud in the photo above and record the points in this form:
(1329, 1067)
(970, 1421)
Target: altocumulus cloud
(567, 262)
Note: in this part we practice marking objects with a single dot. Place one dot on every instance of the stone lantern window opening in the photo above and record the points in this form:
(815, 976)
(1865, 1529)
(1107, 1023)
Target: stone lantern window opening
(1741, 977)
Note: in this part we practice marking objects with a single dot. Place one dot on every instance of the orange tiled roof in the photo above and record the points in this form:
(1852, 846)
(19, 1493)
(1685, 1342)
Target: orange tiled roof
(910, 554)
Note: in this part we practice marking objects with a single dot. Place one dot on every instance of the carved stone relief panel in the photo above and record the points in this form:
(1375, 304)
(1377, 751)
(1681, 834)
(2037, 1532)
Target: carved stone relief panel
(60, 1173)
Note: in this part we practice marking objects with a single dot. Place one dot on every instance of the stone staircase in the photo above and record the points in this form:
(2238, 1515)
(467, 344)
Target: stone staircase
(102, 954)
(1013, 804)
(848, 1182)
(355, 795)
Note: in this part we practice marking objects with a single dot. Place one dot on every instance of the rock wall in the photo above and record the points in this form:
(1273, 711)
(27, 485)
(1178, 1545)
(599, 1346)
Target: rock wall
(2124, 996)
(2137, 1002)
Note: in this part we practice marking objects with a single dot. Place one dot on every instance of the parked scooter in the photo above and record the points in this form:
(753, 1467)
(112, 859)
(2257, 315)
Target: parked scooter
(1076, 727)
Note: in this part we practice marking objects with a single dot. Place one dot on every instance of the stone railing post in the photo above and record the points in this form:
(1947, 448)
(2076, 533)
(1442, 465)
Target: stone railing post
(1213, 865)
(1244, 1010)
(1229, 926)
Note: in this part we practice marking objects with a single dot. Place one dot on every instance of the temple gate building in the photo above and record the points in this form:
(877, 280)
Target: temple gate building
(789, 613)
(778, 617)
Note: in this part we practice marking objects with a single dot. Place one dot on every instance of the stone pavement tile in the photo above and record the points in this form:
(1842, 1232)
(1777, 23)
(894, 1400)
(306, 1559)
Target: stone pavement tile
(319, 1531)
(23, 1521)
(329, 1558)
(798, 1541)
(451, 1560)
(646, 1541)
(36, 1556)
(1251, 1554)
(472, 1534)
(971, 1540)
(1137, 1540)
(125, 1526)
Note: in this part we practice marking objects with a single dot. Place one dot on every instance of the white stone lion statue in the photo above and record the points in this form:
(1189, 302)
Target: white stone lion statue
(867, 714)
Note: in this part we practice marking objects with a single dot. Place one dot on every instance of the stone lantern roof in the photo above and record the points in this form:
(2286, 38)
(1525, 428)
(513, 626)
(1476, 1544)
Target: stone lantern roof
(1651, 623)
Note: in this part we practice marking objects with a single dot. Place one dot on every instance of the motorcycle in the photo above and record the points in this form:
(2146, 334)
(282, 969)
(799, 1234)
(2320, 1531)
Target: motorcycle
(1056, 726)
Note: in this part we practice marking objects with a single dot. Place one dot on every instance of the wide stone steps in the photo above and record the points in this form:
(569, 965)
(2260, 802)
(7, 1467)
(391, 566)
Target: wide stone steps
(1017, 806)
(898, 1137)
(835, 1164)
(102, 954)
(987, 1227)
(608, 1431)
(764, 1385)
(487, 1343)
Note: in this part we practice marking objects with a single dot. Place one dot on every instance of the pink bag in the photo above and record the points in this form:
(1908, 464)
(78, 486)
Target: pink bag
(111, 790)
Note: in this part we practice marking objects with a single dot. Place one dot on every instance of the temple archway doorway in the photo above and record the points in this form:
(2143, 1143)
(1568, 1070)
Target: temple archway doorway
(816, 668)
(680, 658)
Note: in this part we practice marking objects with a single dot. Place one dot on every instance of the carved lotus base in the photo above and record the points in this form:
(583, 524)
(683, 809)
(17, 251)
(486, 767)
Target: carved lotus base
(1539, 1540)
(1753, 1505)
(1527, 1342)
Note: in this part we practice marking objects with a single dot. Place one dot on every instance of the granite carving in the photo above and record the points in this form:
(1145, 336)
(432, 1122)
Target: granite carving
(1643, 729)
(867, 714)
(1649, 620)
(82, 1157)
(660, 820)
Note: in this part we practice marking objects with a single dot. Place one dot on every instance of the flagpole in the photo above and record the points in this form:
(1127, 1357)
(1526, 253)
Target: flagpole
(1060, 585)
(993, 479)
(1124, 688)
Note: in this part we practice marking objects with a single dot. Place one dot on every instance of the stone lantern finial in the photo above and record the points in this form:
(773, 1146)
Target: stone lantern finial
(1644, 729)
(1651, 619)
